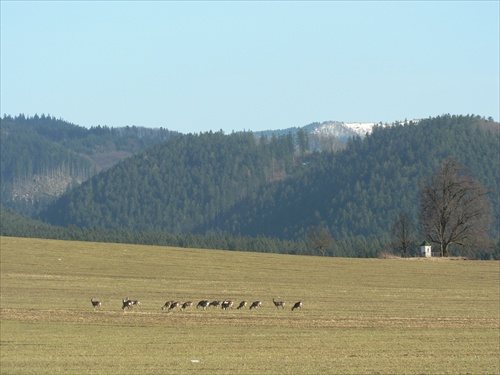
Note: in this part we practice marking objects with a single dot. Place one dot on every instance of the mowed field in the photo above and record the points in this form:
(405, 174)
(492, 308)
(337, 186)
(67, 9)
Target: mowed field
(359, 316)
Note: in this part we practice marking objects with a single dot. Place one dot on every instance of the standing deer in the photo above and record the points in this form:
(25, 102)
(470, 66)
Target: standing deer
(96, 304)
(241, 305)
(185, 305)
(126, 304)
(255, 304)
(279, 304)
(298, 305)
(203, 304)
(227, 305)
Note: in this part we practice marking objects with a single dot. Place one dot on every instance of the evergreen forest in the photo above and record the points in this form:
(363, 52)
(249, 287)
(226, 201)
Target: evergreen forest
(42, 156)
(245, 191)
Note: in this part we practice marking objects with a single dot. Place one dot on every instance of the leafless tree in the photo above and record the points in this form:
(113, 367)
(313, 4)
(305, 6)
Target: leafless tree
(455, 208)
(403, 234)
(320, 239)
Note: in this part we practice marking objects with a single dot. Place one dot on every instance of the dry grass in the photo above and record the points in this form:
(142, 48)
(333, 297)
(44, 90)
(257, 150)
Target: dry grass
(360, 316)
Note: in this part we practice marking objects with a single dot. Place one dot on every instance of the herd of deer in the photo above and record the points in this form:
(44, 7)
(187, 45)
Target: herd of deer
(203, 304)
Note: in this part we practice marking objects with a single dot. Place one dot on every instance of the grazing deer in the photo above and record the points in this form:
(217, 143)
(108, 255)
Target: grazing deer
(126, 304)
(203, 304)
(298, 305)
(185, 305)
(166, 305)
(173, 305)
(255, 304)
(227, 305)
(135, 302)
(215, 303)
(241, 305)
(279, 304)
(95, 303)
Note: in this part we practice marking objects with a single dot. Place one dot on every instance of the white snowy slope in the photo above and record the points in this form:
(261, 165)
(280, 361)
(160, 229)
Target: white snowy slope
(361, 128)
(343, 129)
(346, 129)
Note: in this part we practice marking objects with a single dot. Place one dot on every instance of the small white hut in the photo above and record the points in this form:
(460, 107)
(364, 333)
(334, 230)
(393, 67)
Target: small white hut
(426, 249)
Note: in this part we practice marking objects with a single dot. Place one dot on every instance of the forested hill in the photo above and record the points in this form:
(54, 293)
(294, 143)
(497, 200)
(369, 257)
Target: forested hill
(242, 185)
(179, 185)
(42, 156)
(362, 190)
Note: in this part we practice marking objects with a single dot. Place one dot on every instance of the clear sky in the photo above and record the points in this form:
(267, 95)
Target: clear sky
(200, 66)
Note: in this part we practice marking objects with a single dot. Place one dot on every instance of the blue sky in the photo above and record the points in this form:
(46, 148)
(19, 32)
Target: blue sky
(200, 66)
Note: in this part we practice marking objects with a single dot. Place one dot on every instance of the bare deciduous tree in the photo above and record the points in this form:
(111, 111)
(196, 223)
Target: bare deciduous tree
(455, 208)
(320, 239)
(403, 234)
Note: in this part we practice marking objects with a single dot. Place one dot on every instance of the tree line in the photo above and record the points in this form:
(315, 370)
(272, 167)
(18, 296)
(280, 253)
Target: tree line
(247, 186)
(245, 192)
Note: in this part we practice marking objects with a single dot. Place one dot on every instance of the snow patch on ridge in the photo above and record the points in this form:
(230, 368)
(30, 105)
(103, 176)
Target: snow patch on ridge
(349, 129)
(361, 128)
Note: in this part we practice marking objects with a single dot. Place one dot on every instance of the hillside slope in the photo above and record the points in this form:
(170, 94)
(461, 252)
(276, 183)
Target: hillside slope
(361, 190)
(232, 183)
(177, 186)
(42, 157)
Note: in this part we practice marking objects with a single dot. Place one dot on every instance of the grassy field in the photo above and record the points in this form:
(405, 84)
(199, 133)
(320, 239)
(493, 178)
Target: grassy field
(359, 316)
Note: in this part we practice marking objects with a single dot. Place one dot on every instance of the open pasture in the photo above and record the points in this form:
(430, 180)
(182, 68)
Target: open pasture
(359, 316)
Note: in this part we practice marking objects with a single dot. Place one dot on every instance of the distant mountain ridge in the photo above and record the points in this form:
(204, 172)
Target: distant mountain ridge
(340, 129)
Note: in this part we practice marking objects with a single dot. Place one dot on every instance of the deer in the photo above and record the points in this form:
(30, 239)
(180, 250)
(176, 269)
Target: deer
(241, 305)
(173, 305)
(215, 303)
(135, 302)
(279, 304)
(96, 304)
(185, 305)
(298, 305)
(126, 304)
(255, 304)
(203, 304)
(226, 305)
(166, 305)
